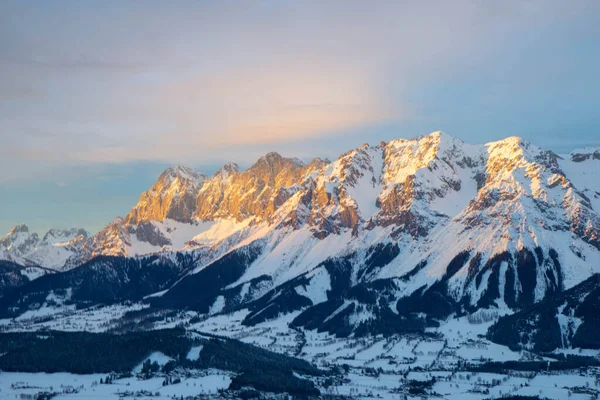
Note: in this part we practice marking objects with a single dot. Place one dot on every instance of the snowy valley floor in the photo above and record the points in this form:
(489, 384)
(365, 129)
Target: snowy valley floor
(383, 367)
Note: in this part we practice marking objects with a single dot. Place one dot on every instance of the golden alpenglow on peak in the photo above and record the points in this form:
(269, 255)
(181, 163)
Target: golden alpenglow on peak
(173, 196)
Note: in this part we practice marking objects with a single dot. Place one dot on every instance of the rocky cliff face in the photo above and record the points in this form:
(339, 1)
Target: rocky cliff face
(254, 193)
(112, 240)
(183, 195)
(173, 196)
(399, 184)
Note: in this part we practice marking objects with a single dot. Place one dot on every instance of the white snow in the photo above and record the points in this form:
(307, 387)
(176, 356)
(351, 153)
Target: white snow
(220, 230)
(217, 306)
(568, 325)
(585, 175)
(16, 384)
(155, 357)
(367, 188)
(194, 353)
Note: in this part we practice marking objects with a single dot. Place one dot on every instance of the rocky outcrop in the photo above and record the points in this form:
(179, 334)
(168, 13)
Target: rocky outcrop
(592, 153)
(73, 236)
(257, 192)
(173, 196)
(112, 240)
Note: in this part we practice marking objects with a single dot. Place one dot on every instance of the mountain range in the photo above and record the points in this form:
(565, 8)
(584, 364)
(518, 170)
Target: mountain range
(51, 251)
(387, 237)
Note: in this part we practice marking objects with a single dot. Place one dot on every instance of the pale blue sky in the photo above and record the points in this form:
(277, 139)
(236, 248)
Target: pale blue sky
(98, 97)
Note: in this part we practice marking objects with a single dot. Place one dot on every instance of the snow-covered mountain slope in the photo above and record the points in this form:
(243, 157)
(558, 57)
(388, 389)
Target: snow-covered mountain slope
(583, 168)
(51, 251)
(148, 237)
(384, 232)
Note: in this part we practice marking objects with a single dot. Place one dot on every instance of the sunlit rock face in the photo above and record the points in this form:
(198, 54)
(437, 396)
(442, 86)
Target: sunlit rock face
(112, 240)
(257, 192)
(173, 196)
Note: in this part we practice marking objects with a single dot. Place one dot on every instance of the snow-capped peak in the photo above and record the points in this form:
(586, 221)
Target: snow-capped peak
(26, 248)
(55, 236)
(586, 153)
(274, 158)
(18, 229)
(180, 171)
(229, 168)
(18, 241)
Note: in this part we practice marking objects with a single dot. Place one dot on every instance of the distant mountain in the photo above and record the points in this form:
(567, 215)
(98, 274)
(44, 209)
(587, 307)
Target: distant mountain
(104, 280)
(386, 237)
(588, 153)
(13, 275)
(51, 251)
